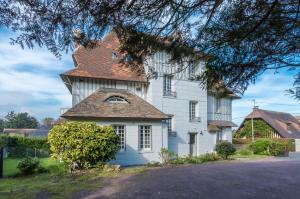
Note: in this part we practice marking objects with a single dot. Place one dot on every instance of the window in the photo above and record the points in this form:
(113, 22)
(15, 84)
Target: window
(167, 85)
(288, 126)
(120, 130)
(191, 69)
(219, 136)
(218, 105)
(192, 110)
(169, 125)
(145, 137)
(116, 99)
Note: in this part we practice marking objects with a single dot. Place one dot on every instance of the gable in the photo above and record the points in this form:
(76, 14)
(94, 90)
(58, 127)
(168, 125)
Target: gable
(103, 62)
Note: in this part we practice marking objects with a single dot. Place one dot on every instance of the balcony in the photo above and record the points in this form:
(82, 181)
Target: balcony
(195, 119)
(172, 94)
(172, 133)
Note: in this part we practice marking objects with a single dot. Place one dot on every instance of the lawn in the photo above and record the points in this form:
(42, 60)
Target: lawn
(56, 184)
(10, 165)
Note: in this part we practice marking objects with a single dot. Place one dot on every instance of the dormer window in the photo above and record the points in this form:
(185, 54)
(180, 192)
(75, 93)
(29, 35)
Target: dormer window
(288, 126)
(114, 55)
(116, 99)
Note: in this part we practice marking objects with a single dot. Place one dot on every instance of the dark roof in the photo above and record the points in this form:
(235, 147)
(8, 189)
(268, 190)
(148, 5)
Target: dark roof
(278, 121)
(96, 106)
(98, 62)
(221, 123)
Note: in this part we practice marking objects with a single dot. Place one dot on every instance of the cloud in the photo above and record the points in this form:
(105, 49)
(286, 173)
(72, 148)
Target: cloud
(30, 82)
(269, 93)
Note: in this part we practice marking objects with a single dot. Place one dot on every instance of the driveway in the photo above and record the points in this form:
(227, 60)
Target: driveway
(265, 179)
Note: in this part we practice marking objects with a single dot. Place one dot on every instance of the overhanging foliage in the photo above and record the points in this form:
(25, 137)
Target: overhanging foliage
(238, 40)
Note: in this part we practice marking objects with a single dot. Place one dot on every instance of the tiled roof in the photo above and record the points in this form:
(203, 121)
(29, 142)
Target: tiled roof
(99, 63)
(221, 123)
(279, 122)
(96, 106)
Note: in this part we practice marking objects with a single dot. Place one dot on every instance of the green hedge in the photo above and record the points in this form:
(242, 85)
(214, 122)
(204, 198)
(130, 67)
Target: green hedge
(84, 143)
(17, 146)
(269, 147)
(288, 142)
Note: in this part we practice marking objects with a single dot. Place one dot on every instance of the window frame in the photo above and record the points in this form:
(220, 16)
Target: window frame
(219, 136)
(218, 104)
(115, 99)
(169, 125)
(124, 137)
(192, 113)
(167, 85)
(192, 69)
(141, 138)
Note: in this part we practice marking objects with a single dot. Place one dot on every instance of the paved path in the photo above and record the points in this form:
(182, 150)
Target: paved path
(263, 179)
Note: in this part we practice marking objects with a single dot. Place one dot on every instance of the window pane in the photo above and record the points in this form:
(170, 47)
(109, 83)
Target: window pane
(192, 110)
(145, 137)
(167, 84)
(120, 130)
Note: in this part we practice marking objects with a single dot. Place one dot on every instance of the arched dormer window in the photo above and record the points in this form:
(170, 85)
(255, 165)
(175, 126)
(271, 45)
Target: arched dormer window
(116, 99)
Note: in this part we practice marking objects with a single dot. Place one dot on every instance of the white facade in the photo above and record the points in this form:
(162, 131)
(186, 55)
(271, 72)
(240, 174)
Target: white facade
(132, 154)
(187, 136)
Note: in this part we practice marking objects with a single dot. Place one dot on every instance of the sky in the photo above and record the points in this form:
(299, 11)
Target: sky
(30, 82)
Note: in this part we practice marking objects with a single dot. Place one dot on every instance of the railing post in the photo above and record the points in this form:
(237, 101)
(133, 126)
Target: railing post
(1, 161)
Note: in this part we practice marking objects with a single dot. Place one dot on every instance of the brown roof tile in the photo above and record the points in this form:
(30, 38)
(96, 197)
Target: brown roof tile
(278, 121)
(98, 62)
(96, 106)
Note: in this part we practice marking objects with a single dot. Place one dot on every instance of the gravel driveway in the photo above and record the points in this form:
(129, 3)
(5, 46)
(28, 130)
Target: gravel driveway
(265, 179)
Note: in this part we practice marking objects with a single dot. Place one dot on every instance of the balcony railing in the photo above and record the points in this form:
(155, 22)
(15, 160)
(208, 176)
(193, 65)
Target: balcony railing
(195, 119)
(170, 94)
(172, 133)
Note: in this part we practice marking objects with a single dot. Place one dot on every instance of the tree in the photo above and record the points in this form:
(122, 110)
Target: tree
(20, 120)
(83, 143)
(261, 129)
(237, 39)
(48, 122)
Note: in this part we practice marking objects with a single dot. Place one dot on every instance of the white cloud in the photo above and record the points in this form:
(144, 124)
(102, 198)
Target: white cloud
(29, 80)
(269, 93)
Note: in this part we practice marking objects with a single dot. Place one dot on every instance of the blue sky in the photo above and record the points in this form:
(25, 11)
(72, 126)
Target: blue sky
(30, 82)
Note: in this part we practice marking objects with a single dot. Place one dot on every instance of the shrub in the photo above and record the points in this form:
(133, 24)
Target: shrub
(225, 149)
(166, 155)
(28, 165)
(245, 152)
(18, 146)
(267, 147)
(207, 157)
(83, 144)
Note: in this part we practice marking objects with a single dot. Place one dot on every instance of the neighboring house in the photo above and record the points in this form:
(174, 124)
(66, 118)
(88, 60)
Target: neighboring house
(160, 107)
(284, 125)
(42, 132)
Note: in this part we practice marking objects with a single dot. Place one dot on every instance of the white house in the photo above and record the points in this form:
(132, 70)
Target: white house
(161, 107)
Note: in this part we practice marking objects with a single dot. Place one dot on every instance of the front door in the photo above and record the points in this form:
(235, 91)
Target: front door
(193, 144)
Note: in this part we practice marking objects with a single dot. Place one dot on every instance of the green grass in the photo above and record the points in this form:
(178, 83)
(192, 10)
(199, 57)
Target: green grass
(10, 165)
(56, 184)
